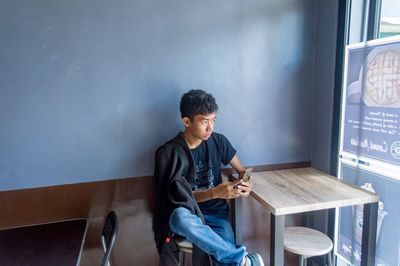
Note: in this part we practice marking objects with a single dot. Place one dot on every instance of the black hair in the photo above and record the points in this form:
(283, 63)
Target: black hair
(196, 102)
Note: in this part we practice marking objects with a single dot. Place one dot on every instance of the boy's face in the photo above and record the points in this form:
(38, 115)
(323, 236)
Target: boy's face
(201, 126)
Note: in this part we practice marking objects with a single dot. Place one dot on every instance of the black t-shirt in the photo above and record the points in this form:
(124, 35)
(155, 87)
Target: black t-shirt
(208, 157)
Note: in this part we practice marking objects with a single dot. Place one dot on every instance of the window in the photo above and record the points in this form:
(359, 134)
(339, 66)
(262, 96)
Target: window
(390, 18)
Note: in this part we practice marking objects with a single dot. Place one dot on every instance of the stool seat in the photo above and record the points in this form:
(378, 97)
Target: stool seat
(184, 245)
(306, 242)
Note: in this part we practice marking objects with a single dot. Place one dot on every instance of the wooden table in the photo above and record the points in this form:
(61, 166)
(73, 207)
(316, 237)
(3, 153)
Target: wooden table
(56, 243)
(301, 190)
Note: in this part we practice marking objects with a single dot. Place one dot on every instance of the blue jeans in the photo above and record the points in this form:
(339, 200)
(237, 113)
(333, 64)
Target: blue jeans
(215, 238)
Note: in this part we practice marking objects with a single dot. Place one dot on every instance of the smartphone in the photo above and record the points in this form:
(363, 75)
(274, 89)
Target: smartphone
(246, 174)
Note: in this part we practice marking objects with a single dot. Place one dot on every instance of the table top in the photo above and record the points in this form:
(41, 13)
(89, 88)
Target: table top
(55, 243)
(305, 189)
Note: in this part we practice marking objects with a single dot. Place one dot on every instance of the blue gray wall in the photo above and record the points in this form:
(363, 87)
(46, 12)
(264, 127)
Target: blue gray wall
(90, 88)
(324, 80)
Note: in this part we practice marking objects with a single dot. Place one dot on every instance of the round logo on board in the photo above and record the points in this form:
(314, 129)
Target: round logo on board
(395, 149)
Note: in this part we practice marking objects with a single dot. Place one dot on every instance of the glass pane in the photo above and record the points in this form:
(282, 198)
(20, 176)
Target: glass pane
(390, 18)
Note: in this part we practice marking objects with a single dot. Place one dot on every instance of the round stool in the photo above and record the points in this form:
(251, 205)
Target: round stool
(307, 242)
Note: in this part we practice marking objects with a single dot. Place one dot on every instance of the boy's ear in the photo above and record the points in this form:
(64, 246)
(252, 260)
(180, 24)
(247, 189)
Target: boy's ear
(186, 121)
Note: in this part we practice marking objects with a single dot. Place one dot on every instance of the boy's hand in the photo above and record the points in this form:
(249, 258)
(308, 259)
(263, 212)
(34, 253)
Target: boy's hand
(234, 189)
(227, 190)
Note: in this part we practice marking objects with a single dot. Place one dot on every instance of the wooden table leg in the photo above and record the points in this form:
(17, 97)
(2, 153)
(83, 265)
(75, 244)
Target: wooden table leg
(370, 217)
(277, 231)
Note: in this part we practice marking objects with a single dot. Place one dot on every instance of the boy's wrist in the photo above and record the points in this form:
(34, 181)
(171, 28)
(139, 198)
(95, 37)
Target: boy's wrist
(212, 193)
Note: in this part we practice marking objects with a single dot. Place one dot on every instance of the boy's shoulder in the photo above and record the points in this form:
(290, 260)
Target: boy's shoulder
(176, 141)
(176, 144)
(218, 137)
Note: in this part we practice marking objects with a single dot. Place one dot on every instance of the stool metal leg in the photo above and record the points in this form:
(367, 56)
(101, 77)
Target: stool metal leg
(330, 254)
(302, 260)
(181, 258)
(184, 259)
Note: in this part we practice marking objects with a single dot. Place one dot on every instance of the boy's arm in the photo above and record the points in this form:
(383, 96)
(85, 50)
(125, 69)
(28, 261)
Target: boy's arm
(237, 165)
(244, 187)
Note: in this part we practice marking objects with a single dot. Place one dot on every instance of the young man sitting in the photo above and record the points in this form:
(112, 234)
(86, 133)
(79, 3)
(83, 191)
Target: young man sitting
(191, 196)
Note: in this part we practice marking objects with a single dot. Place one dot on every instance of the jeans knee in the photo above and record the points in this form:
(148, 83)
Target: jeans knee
(179, 219)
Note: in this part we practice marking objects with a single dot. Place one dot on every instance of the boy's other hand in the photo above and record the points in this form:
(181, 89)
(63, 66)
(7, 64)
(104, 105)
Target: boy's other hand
(245, 187)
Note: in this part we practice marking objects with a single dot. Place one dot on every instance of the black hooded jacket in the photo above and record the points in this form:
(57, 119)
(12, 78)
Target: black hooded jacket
(173, 164)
